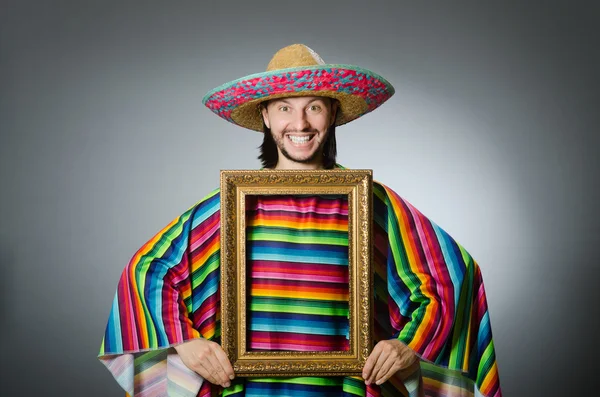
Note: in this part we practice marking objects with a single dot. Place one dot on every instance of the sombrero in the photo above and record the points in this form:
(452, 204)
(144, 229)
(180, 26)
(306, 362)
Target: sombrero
(294, 71)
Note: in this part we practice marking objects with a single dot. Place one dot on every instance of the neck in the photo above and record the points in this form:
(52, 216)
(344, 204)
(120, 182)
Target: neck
(284, 163)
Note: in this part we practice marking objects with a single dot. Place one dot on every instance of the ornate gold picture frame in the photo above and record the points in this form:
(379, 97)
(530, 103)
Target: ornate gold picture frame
(235, 187)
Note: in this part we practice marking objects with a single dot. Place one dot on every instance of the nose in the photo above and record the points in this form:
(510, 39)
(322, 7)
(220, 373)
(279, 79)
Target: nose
(300, 121)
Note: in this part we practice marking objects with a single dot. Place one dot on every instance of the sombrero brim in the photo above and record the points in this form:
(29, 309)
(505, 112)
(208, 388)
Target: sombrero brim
(358, 90)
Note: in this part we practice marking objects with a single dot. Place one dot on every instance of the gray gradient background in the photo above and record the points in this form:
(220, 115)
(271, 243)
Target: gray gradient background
(493, 133)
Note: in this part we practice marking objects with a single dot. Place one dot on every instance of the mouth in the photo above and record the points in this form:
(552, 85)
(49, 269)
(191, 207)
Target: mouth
(300, 140)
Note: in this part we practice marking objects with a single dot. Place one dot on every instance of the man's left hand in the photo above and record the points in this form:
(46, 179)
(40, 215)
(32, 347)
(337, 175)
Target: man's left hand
(388, 357)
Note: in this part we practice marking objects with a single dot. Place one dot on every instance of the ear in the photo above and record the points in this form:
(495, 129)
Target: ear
(265, 115)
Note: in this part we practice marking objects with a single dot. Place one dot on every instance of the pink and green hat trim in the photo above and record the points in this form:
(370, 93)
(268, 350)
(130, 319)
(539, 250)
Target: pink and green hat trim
(358, 90)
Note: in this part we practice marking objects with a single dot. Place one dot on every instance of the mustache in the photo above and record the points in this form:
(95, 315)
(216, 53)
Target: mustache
(305, 130)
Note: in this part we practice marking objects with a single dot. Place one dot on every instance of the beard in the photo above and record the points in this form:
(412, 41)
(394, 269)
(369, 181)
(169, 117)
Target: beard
(309, 159)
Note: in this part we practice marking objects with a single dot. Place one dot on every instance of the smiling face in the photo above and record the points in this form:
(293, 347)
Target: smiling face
(299, 128)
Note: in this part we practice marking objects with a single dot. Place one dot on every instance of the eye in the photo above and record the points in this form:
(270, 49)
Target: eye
(314, 108)
(284, 108)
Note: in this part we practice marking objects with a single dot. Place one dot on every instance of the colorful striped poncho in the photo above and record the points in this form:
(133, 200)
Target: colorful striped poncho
(428, 293)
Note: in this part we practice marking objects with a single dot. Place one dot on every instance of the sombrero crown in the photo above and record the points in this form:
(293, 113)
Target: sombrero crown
(294, 71)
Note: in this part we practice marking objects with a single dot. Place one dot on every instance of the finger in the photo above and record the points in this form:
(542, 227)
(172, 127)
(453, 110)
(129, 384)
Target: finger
(224, 361)
(206, 370)
(377, 367)
(371, 360)
(389, 367)
(217, 370)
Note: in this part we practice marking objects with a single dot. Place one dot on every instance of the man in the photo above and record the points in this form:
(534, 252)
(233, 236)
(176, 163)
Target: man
(431, 328)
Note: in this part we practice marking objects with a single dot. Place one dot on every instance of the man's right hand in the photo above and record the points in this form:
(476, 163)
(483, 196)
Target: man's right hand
(207, 359)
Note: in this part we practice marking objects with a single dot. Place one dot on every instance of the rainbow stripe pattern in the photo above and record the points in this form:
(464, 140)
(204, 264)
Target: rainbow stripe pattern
(428, 293)
(298, 270)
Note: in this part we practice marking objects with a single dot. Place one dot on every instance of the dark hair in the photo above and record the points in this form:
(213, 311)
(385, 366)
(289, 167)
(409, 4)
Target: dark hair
(269, 155)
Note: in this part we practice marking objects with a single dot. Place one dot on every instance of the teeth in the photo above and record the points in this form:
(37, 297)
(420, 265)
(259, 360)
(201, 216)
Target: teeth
(299, 139)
